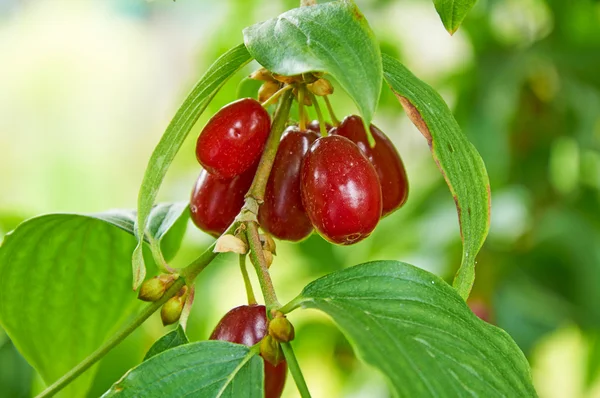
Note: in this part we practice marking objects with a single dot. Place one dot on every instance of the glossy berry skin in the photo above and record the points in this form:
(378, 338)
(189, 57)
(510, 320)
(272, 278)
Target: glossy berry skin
(384, 157)
(247, 325)
(282, 213)
(340, 190)
(234, 138)
(215, 203)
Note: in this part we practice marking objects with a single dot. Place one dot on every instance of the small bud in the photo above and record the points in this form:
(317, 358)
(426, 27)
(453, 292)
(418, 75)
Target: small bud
(154, 288)
(268, 243)
(268, 258)
(229, 243)
(281, 329)
(287, 79)
(171, 310)
(321, 87)
(262, 74)
(270, 350)
(267, 90)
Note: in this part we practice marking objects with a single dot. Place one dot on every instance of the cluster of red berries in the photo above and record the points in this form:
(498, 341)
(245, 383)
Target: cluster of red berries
(338, 184)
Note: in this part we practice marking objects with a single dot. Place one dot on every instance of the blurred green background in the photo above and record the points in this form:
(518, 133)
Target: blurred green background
(88, 87)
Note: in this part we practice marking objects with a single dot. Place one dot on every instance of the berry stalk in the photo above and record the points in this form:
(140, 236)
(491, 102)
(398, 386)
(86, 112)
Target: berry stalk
(295, 370)
(259, 184)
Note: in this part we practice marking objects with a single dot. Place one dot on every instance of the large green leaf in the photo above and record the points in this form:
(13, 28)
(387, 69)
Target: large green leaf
(64, 286)
(173, 138)
(332, 37)
(418, 331)
(453, 12)
(458, 160)
(202, 369)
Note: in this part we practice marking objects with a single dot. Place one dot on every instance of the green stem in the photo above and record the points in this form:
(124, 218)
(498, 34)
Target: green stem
(260, 265)
(295, 370)
(322, 127)
(301, 109)
(249, 290)
(334, 120)
(259, 184)
(112, 342)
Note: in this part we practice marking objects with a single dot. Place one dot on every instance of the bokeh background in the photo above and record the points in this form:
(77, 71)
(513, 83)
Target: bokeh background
(87, 88)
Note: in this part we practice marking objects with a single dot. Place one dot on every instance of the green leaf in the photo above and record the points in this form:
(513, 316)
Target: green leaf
(164, 153)
(417, 330)
(458, 160)
(165, 229)
(201, 369)
(64, 287)
(332, 37)
(453, 12)
(174, 338)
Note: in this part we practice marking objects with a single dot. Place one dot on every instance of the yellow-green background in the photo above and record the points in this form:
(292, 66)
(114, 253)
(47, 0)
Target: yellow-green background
(88, 87)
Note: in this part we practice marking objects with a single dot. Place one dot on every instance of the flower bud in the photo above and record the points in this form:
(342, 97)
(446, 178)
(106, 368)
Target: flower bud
(287, 79)
(262, 74)
(270, 350)
(268, 243)
(171, 310)
(267, 90)
(321, 87)
(268, 259)
(154, 288)
(281, 329)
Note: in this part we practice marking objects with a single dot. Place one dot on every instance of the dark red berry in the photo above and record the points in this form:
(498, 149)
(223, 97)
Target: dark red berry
(340, 190)
(233, 138)
(247, 325)
(384, 157)
(215, 203)
(282, 214)
(314, 126)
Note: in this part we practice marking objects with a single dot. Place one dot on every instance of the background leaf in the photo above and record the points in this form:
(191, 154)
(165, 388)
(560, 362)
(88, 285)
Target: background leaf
(174, 338)
(201, 369)
(332, 37)
(64, 286)
(417, 330)
(458, 160)
(164, 153)
(453, 12)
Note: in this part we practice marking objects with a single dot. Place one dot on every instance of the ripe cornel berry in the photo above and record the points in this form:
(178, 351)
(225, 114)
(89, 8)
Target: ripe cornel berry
(282, 213)
(215, 203)
(384, 157)
(233, 139)
(340, 190)
(247, 325)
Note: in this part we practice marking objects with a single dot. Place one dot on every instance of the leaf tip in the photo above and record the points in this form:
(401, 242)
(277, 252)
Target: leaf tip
(138, 266)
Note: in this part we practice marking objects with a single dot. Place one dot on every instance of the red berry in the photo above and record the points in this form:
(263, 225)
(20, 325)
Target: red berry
(282, 214)
(215, 203)
(247, 325)
(340, 190)
(384, 157)
(314, 126)
(233, 139)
